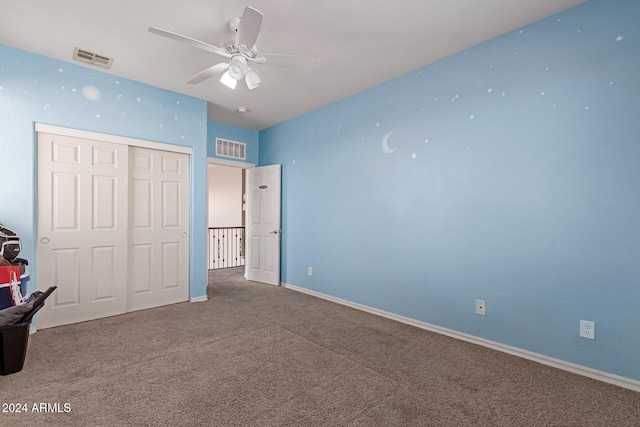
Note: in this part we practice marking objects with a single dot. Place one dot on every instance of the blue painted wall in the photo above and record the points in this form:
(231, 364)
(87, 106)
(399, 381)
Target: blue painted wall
(512, 175)
(34, 89)
(233, 133)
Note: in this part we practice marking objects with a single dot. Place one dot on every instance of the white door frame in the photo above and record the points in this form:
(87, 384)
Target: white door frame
(223, 162)
(231, 163)
(115, 139)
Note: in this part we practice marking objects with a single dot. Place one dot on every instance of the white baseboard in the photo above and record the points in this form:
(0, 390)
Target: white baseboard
(606, 377)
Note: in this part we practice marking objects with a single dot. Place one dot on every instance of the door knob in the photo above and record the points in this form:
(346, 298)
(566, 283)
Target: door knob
(44, 240)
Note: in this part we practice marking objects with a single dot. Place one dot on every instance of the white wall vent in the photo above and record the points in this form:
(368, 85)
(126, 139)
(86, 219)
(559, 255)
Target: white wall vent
(226, 148)
(92, 58)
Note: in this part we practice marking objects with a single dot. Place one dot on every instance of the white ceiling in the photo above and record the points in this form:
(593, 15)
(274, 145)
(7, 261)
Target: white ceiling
(360, 43)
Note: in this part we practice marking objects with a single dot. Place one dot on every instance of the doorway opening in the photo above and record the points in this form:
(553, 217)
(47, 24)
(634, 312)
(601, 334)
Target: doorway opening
(262, 236)
(226, 215)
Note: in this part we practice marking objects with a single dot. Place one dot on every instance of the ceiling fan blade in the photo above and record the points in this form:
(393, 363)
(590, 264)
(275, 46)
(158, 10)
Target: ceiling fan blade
(289, 61)
(249, 28)
(209, 72)
(191, 42)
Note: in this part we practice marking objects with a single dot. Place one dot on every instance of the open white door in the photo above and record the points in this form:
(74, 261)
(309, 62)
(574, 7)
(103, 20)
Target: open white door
(263, 224)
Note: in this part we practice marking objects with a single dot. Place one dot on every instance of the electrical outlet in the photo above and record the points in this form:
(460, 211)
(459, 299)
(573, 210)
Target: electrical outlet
(309, 271)
(481, 307)
(588, 329)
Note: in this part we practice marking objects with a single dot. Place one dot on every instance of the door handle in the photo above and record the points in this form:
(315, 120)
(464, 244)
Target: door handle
(275, 232)
(44, 240)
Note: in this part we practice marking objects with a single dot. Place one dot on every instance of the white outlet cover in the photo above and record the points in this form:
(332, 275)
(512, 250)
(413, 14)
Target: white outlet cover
(310, 271)
(588, 329)
(481, 307)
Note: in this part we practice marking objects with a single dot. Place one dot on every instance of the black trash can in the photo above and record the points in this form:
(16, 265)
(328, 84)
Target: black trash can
(14, 337)
(13, 347)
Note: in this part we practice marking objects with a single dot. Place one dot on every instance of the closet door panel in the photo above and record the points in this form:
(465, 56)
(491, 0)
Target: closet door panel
(82, 228)
(159, 227)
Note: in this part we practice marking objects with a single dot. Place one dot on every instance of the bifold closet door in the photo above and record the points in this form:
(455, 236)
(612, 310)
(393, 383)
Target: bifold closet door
(82, 228)
(158, 228)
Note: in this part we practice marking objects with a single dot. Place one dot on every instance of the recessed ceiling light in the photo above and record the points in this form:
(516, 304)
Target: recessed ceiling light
(242, 109)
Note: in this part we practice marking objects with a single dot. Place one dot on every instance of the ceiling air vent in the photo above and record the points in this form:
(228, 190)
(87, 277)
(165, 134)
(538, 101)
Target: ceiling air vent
(226, 148)
(92, 58)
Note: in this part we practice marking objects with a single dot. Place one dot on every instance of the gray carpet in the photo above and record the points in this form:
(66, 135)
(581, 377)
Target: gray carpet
(257, 355)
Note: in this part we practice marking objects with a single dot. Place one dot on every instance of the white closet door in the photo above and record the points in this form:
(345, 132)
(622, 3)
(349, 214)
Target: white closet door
(82, 228)
(158, 228)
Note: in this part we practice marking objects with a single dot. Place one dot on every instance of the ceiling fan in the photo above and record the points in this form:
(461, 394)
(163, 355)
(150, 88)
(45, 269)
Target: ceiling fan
(240, 52)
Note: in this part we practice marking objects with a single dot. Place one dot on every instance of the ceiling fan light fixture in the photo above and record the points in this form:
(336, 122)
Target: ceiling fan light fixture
(252, 79)
(228, 81)
(238, 67)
